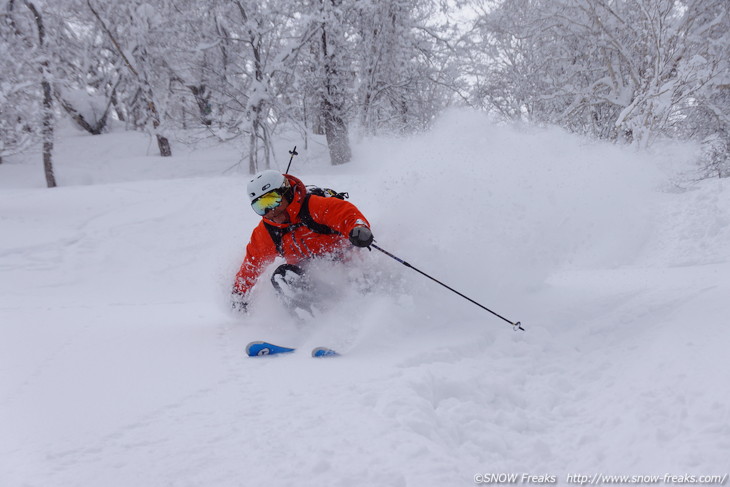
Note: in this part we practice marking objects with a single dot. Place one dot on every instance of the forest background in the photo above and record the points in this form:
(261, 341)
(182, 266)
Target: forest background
(634, 72)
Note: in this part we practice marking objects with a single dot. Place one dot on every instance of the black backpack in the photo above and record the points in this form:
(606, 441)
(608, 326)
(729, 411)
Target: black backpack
(277, 234)
(326, 192)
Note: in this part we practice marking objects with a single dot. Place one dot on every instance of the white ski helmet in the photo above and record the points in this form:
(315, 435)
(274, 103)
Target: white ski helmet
(265, 181)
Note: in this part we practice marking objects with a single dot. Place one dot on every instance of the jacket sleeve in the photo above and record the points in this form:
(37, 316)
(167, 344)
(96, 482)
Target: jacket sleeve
(260, 252)
(337, 214)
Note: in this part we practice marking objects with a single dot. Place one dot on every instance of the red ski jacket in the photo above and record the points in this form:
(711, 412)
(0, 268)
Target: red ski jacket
(298, 241)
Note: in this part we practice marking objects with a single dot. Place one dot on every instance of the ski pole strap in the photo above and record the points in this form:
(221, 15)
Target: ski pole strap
(515, 325)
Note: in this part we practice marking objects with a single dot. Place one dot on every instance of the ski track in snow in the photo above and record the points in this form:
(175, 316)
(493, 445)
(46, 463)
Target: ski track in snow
(120, 364)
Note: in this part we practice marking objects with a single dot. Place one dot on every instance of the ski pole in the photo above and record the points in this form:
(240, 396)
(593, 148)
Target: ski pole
(293, 153)
(515, 325)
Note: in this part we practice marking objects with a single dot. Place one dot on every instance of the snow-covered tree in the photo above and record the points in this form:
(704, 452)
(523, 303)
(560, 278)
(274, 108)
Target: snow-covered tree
(19, 109)
(26, 20)
(133, 28)
(84, 79)
(615, 69)
(335, 79)
(246, 60)
(706, 116)
(402, 58)
(257, 34)
(240, 68)
(622, 70)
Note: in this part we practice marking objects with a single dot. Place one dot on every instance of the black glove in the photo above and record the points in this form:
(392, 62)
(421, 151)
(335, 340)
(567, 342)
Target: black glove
(361, 236)
(238, 303)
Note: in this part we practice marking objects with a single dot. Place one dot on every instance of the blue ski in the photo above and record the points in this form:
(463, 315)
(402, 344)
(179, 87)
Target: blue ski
(324, 352)
(258, 349)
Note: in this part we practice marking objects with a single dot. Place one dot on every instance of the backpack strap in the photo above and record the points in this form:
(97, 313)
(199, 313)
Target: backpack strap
(306, 217)
(277, 234)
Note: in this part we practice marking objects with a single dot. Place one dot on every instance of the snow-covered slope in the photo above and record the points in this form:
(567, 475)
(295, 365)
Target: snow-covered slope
(120, 363)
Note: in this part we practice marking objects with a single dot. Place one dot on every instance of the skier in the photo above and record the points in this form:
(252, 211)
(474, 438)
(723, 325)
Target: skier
(298, 227)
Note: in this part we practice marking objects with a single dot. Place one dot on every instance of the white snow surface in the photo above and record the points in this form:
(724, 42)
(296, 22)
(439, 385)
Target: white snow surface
(122, 365)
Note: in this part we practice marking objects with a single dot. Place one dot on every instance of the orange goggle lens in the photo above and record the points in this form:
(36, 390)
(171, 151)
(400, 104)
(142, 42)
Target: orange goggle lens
(267, 202)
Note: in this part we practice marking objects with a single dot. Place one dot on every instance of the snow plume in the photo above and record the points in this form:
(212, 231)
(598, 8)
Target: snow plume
(510, 205)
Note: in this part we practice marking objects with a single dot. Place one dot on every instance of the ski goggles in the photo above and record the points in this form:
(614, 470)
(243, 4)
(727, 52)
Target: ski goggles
(267, 201)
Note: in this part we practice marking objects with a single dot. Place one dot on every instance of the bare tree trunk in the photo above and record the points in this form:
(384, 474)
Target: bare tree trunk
(252, 149)
(365, 113)
(117, 109)
(95, 129)
(47, 132)
(48, 118)
(267, 146)
(335, 127)
(257, 109)
(202, 98)
(306, 124)
(162, 142)
(223, 46)
(338, 139)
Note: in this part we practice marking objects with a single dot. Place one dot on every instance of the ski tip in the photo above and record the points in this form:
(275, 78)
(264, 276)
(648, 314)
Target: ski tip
(260, 349)
(257, 348)
(250, 347)
(321, 352)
